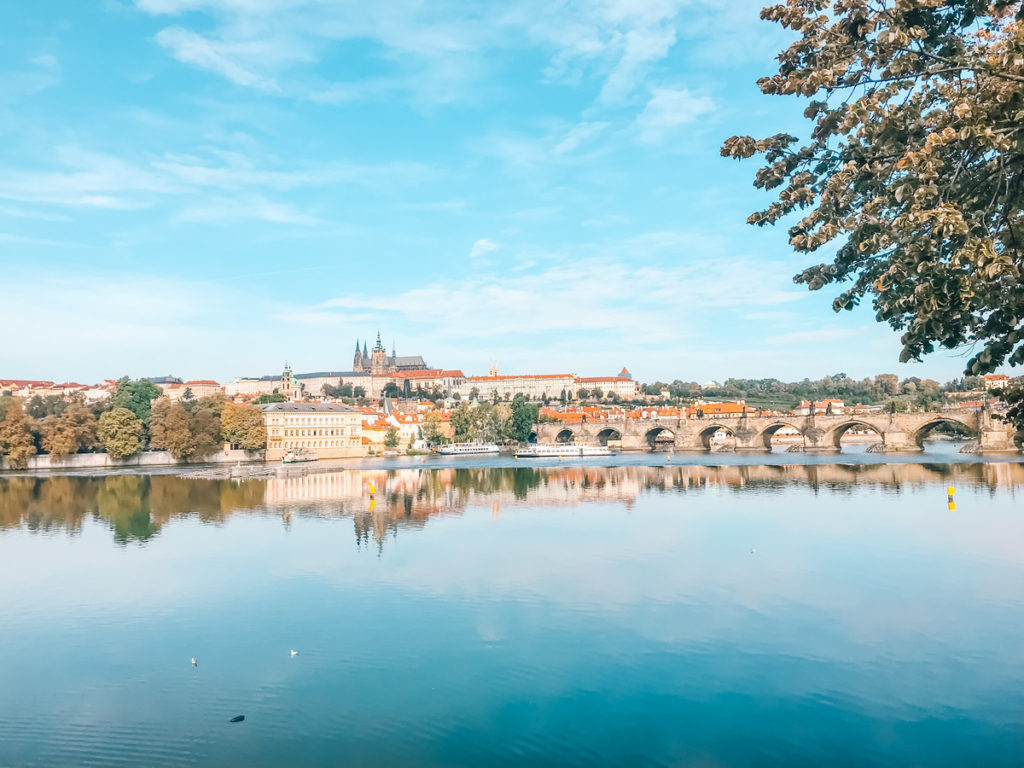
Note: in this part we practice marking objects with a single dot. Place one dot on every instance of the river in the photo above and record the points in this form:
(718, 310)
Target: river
(784, 611)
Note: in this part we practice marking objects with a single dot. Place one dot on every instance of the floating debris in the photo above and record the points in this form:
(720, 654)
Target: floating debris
(237, 718)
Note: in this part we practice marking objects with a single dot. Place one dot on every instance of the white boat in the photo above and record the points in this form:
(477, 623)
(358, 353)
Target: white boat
(297, 455)
(560, 450)
(467, 449)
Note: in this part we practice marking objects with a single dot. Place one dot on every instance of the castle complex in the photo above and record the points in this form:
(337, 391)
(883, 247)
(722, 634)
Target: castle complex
(379, 363)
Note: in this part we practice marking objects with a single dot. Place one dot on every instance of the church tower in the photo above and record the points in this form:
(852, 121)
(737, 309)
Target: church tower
(357, 361)
(379, 358)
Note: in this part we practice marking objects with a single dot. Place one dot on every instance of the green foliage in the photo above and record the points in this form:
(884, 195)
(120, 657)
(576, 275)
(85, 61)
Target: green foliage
(391, 390)
(345, 390)
(137, 396)
(913, 174)
(358, 392)
(391, 438)
(432, 428)
(41, 407)
(16, 440)
(273, 398)
(524, 416)
(120, 433)
(243, 426)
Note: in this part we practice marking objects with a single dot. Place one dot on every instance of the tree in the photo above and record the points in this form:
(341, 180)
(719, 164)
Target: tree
(73, 431)
(358, 392)
(524, 416)
(188, 432)
(391, 438)
(474, 393)
(204, 424)
(914, 171)
(169, 428)
(16, 436)
(273, 398)
(242, 426)
(432, 428)
(41, 407)
(462, 423)
(137, 396)
(391, 390)
(120, 433)
(583, 393)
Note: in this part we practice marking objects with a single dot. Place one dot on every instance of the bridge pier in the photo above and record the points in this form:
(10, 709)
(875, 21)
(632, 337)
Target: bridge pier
(896, 441)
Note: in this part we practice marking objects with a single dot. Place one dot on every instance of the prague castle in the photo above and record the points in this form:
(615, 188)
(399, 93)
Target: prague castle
(379, 363)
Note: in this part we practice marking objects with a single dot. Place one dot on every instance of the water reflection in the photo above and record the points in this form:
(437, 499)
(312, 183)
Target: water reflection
(137, 507)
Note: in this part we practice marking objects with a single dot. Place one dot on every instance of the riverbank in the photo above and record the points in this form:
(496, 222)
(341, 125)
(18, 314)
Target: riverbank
(146, 459)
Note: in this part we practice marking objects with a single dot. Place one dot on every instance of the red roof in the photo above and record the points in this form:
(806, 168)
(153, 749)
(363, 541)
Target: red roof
(524, 376)
(599, 379)
(24, 383)
(204, 382)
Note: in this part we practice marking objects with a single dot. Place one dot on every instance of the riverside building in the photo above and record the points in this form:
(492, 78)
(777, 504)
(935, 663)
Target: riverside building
(332, 430)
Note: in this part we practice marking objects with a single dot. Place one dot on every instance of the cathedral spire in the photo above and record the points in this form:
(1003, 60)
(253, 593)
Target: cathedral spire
(379, 346)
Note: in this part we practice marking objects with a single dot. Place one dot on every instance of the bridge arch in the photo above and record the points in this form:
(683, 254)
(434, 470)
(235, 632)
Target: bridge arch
(768, 432)
(660, 437)
(533, 436)
(922, 432)
(707, 434)
(836, 435)
(608, 433)
(565, 435)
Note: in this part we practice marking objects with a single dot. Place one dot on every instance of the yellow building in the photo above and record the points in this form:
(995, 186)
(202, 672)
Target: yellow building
(332, 430)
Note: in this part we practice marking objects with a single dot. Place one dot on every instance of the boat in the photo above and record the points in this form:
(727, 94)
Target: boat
(467, 449)
(297, 455)
(559, 450)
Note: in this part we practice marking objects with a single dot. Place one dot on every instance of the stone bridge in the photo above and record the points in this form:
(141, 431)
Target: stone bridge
(897, 432)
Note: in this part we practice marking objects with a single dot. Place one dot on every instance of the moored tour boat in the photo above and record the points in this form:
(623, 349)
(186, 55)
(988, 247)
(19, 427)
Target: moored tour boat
(296, 455)
(467, 449)
(560, 450)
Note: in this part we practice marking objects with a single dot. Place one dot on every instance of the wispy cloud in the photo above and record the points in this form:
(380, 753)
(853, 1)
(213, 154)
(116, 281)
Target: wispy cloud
(218, 57)
(260, 43)
(668, 109)
(482, 247)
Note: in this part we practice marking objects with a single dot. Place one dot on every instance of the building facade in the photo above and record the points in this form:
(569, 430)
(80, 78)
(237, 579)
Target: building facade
(332, 430)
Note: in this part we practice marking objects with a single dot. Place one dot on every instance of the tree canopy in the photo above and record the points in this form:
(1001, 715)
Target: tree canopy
(912, 177)
(120, 433)
(137, 396)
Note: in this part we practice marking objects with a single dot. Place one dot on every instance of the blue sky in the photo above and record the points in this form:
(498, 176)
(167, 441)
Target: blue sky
(209, 187)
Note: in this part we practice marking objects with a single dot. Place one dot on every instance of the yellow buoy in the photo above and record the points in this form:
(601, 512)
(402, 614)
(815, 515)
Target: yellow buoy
(950, 490)
(952, 506)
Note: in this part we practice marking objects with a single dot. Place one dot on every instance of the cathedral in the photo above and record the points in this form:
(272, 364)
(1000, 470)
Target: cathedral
(379, 363)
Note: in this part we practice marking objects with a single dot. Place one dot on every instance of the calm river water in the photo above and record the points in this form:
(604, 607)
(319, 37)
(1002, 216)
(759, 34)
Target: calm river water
(634, 614)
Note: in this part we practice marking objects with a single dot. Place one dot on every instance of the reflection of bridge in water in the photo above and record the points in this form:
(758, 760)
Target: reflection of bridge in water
(897, 432)
(137, 507)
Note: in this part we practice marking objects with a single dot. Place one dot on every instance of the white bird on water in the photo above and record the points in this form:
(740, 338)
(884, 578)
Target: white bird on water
(295, 653)
(194, 662)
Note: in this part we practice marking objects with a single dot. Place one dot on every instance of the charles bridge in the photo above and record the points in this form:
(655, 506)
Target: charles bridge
(897, 432)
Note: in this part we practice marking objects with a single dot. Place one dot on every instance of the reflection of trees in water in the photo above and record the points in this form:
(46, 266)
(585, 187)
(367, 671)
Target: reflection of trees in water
(136, 507)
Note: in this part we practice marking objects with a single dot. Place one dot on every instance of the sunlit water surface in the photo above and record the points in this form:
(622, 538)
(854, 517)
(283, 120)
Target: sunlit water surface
(785, 615)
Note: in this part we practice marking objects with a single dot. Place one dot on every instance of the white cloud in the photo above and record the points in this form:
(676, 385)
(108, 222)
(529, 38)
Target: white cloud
(221, 58)
(482, 247)
(230, 210)
(96, 180)
(578, 135)
(668, 109)
(434, 49)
